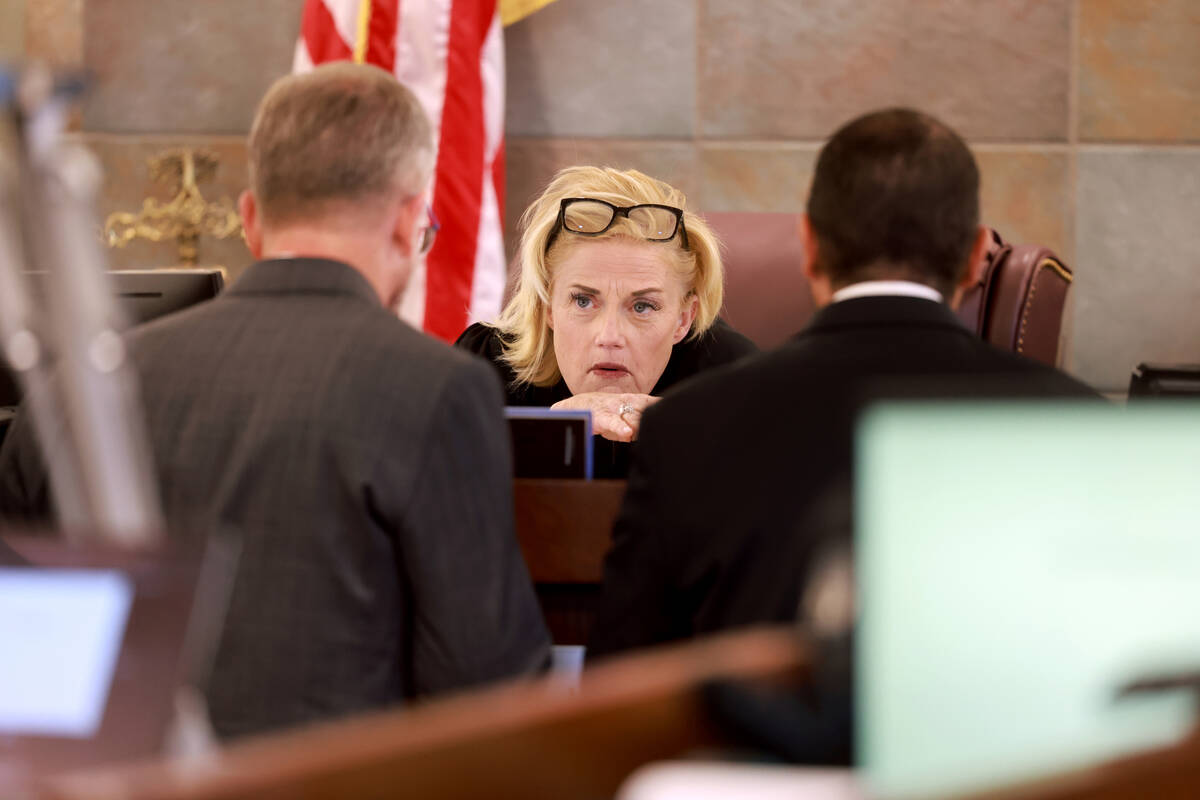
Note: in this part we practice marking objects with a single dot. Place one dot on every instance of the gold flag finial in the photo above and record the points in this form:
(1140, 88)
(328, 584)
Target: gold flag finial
(187, 216)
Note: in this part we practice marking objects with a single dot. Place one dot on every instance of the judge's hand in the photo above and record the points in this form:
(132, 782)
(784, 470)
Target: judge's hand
(614, 416)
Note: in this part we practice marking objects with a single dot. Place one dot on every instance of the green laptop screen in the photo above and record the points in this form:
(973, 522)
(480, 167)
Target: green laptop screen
(1017, 564)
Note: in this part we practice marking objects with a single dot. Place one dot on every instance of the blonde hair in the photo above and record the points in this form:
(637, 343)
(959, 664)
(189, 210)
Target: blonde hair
(527, 339)
(342, 134)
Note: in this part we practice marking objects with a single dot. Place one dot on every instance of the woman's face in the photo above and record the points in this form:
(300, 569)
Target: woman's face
(616, 309)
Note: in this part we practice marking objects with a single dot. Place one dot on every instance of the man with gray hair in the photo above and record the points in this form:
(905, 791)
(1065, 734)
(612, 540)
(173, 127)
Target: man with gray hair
(365, 465)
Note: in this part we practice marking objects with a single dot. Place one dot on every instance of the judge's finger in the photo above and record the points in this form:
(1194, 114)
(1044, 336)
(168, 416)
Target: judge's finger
(612, 426)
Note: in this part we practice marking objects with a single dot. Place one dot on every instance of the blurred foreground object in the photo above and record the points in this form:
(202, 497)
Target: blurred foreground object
(1011, 600)
(700, 780)
(187, 217)
(142, 295)
(524, 740)
(107, 650)
(87, 416)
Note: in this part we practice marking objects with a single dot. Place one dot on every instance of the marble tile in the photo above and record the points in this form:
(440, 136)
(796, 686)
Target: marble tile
(179, 66)
(54, 32)
(773, 177)
(603, 69)
(1138, 252)
(1139, 70)
(783, 69)
(531, 163)
(13, 16)
(127, 183)
(1026, 196)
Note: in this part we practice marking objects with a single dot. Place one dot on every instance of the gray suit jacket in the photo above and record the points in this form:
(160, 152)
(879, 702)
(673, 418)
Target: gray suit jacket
(367, 468)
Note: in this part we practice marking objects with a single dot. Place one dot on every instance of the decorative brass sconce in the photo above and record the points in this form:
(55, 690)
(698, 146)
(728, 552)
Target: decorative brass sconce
(187, 216)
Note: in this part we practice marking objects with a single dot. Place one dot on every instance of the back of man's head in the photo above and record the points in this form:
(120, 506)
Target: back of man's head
(343, 138)
(895, 197)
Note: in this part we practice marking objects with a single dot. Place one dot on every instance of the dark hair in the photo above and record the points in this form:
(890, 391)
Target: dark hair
(895, 196)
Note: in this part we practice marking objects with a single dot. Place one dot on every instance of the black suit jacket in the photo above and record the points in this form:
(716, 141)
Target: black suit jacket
(366, 467)
(740, 490)
(743, 474)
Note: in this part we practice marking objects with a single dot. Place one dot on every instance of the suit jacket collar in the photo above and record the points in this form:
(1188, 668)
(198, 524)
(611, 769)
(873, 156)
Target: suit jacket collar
(885, 311)
(304, 276)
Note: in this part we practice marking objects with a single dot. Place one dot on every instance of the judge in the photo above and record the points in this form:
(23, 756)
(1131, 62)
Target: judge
(616, 302)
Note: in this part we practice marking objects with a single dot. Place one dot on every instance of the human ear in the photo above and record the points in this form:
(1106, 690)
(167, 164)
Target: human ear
(251, 224)
(977, 259)
(406, 228)
(976, 262)
(819, 283)
(808, 246)
(687, 315)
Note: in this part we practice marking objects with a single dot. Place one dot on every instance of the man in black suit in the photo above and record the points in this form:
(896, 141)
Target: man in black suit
(365, 465)
(740, 479)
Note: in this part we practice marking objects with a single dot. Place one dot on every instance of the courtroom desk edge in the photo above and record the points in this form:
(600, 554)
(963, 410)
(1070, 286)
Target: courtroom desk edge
(632, 710)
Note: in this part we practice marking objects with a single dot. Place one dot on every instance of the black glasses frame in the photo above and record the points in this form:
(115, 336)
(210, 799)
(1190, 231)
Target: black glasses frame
(618, 211)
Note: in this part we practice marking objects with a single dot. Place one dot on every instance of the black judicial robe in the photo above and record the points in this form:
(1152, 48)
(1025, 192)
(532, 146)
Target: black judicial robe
(718, 346)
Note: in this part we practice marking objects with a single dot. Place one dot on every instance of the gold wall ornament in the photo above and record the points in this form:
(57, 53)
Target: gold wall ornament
(187, 216)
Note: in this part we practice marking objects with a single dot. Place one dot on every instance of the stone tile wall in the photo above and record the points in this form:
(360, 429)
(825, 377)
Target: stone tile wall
(1085, 115)
(12, 26)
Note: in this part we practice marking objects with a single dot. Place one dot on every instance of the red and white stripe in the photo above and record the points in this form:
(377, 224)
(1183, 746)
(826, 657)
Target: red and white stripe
(450, 53)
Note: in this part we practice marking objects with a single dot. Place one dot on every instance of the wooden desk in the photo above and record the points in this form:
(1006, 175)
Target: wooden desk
(524, 740)
(564, 527)
(1169, 774)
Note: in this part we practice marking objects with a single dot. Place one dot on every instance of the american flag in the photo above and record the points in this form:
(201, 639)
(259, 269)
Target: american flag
(450, 53)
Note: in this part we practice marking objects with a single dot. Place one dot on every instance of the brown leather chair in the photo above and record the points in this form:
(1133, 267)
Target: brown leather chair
(1020, 300)
(767, 297)
(1018, 304)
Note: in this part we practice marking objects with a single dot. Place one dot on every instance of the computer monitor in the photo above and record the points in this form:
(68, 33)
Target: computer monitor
(143, 295)
(550, 443)
(1164, 380)
(1018, 564)
(97, 642)
(147, 294)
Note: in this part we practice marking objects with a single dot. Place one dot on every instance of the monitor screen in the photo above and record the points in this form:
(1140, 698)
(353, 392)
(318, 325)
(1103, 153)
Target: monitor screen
(149, 294)
(548, 443)
(95, 643)
(64, 629)
(1018, 565)
(144, 295)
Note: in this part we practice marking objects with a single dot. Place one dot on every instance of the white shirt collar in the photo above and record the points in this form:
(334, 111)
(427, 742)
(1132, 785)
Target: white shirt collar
(887, 288)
